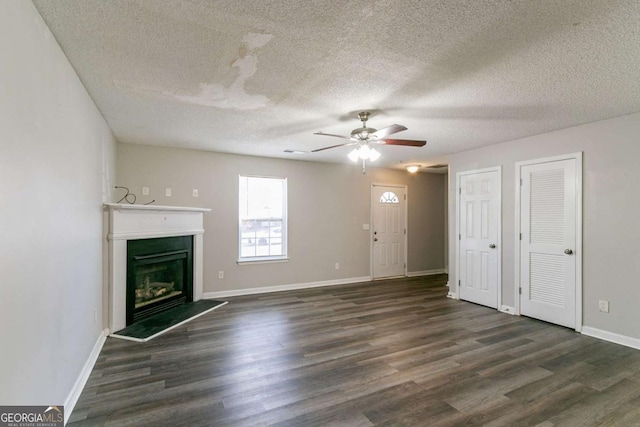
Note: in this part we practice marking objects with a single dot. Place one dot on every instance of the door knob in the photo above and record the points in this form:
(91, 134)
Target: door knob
(492, 246)
(568, 251)
(375, 239)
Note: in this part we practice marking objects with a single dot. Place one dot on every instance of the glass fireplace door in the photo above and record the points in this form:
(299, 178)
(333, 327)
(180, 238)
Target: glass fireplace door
(159, 275)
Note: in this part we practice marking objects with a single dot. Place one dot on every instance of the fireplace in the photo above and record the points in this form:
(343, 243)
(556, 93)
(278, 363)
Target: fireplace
(128, 224)
(159, 275)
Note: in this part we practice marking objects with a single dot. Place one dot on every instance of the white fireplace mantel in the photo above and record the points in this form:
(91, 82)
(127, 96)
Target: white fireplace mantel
(132, 222)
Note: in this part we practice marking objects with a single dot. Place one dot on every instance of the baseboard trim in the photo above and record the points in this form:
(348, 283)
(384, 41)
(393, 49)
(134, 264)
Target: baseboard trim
(426, 272)
(281, 288)
(508, 309)
(81, 381)
(611, 337)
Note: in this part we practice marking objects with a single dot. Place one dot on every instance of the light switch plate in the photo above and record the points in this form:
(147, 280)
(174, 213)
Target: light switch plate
(167, 192)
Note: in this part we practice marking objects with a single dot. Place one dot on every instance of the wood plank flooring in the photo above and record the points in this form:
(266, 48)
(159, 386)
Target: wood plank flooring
(387, 353)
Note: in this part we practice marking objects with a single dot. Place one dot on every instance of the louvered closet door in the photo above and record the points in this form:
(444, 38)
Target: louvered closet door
(547, 248)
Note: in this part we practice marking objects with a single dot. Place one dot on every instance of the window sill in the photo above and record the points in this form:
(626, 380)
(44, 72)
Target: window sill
(262, 260)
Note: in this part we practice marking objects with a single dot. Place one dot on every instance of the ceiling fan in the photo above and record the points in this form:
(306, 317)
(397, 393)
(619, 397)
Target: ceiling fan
(364, 136)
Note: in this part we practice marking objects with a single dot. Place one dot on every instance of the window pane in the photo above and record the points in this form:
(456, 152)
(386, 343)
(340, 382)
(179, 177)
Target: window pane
(389, 197)
(262, 209)
(262, 197)
(247, 238)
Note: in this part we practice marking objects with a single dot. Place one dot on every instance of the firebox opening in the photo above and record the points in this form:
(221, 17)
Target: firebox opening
(159, 275)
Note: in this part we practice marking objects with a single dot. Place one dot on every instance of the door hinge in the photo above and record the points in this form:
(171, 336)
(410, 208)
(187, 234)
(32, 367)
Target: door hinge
(405, 197)
(520, 182)
(458, 283)
(405, 231)
(520, 291)
(520, 236)
(460, 190)
(459, 236)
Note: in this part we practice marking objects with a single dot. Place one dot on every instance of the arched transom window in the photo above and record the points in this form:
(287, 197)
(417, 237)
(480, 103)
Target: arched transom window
(389, 197)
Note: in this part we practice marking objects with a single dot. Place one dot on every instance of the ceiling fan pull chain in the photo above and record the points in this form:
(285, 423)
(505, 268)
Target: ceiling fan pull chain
(364, 170)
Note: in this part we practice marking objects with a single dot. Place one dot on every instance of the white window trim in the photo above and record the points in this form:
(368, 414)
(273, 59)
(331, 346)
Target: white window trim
(262, 260)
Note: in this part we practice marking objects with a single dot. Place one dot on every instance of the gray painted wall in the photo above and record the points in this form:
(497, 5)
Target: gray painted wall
(611, 258)
(56, 169)
(328, 204)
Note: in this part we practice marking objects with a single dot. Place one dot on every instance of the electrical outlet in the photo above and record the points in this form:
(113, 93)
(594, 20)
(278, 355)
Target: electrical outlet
(337, 266)
(167, 192)
(603, 306)
(195, 192)
(145, 191)
(220, 274)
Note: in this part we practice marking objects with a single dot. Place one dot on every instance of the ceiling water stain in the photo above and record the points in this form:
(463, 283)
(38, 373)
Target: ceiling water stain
(234, 96)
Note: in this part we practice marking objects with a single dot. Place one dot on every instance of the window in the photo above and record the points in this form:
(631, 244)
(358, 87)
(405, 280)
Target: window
(389, 197)
(263, 218)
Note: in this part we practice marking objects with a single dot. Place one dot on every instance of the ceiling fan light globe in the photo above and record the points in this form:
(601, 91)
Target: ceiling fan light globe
(353, 155)
(413, 168)
(374, 154)
(364, 152)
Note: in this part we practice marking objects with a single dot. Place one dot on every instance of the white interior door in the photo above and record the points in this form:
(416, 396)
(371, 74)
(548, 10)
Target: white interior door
(389, 231)
(548, 240)
(478, 223)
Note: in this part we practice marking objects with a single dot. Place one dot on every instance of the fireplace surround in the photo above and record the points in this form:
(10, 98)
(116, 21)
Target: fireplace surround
(132, 224)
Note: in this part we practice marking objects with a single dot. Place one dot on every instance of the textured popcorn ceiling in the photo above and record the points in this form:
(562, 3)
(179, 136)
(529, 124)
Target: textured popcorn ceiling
(257, 77)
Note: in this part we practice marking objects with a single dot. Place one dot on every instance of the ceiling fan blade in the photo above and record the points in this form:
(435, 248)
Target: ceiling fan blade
(408, 142)
(332, 134)
(333, 146)
(382, 133)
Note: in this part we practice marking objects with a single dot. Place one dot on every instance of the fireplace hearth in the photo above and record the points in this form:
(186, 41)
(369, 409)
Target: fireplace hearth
(159, 275)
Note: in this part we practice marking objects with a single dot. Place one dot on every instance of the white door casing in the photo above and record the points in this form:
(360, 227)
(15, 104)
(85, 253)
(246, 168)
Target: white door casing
(549, 249)
(388, 232)
(479, 241)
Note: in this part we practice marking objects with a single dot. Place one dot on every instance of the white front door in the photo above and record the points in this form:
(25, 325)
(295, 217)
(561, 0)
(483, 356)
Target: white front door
(388, 231)
(548, 237)
(478, 222)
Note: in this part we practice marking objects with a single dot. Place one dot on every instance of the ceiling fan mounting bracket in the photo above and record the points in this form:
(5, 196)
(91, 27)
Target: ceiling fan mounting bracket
(364, 116)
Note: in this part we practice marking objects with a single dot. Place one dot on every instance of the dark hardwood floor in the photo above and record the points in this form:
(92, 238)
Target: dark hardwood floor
(388, 353)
